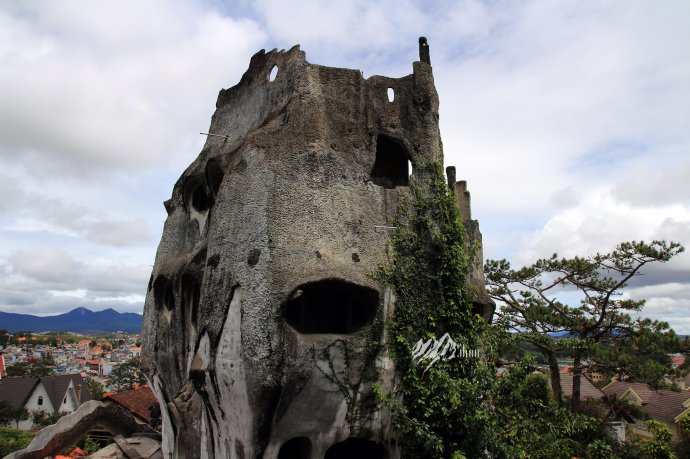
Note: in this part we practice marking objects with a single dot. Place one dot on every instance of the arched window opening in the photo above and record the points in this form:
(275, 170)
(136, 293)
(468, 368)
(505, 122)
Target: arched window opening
(331, 306)
(356, 448)
(191, 294)
(391, 94)
(40, 400)
(273, 74)
(392, 164)
(214, 176)
(163, 294)
(195, 196)
(199, 199)
(296, 448)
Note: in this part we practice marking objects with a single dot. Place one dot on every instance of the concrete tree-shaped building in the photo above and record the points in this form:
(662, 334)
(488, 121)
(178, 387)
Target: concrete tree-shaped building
(261, 309)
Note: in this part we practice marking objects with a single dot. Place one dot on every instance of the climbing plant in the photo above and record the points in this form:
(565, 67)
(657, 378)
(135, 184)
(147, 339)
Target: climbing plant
(456, 407)
(436, 406)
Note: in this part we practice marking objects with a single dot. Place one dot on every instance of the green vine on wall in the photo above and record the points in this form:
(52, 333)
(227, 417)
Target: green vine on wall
(437, 410)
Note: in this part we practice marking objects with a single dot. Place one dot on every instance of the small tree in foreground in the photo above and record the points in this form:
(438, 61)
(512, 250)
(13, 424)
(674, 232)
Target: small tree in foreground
(42, 418)
(95, 388)
(660, 446)
(531, 305)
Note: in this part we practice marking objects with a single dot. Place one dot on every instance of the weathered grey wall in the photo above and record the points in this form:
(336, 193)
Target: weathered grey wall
(289, 200)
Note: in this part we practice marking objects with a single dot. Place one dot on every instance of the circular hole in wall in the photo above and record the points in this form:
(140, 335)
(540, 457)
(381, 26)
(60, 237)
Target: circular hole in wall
(273, 74)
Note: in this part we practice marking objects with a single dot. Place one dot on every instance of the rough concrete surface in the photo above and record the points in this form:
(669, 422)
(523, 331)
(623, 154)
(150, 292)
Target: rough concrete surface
(260, 307)
(69, 429)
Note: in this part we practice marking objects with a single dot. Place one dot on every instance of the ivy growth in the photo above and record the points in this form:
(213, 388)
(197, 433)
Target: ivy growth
(436, 409)
(457, 407)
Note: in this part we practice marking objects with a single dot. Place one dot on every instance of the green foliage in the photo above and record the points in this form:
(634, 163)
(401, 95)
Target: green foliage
(599, 449)
(88, 444)
(531, 307)
(682, 448)
(5, 412)
(12, 440)
(530, 424)
(9, 413)
(95, 389)
(427, 271)
(126, 374)
(42, 418)
(457, 407)
(684, 423)
(32, 368)
(660, 447)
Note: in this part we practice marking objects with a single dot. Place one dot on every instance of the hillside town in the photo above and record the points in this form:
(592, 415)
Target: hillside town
(92, 357)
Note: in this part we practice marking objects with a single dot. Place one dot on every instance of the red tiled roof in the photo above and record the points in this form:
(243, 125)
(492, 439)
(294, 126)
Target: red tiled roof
(137, 401)
(678, 360)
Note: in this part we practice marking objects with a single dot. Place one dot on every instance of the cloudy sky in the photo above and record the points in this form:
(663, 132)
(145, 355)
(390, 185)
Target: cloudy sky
(569, 119)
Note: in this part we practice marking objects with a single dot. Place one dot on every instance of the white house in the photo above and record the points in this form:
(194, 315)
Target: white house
(48, 393)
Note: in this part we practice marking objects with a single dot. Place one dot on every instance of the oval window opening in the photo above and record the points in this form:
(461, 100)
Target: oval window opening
(274, 73)
(330, 306)
(391, 95)
(163, 294)
(296, 448)
(199, 199)
(356, 447)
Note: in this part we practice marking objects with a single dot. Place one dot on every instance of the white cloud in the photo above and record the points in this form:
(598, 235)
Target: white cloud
(112, 84)
(42, 280)
(568, 119)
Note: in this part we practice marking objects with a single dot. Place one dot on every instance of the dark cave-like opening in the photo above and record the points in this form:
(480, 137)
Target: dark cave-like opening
(331, 306)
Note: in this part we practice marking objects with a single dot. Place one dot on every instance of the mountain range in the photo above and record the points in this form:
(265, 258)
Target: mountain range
(79, 320)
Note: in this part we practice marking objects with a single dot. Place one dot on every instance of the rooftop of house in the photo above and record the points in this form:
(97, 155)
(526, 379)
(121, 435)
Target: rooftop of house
(618, 388)
(137, 401)
(588, 391)
(661, 404)
(18, 390)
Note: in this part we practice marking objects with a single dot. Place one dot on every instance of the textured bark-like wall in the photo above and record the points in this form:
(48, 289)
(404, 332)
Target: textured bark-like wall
(260, 314)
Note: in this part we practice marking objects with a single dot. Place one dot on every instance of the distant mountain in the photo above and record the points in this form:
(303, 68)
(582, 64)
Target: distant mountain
(80, 320)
